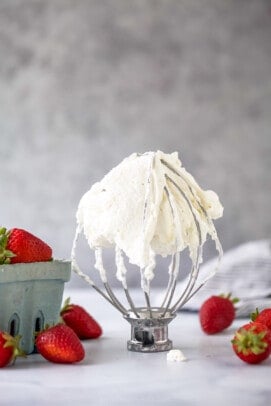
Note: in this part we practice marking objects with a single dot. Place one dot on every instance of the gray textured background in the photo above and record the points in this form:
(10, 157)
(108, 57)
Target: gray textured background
(85, 83)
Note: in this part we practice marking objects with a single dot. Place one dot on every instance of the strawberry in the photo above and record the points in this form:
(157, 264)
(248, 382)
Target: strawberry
(83, 324)
(252, 343)
(262, 317)
(217, 313)
(60, 344)
(9, 349)
(17, 245)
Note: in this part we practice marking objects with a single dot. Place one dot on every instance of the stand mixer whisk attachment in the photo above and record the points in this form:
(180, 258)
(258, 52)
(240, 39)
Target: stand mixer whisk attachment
(173, 214)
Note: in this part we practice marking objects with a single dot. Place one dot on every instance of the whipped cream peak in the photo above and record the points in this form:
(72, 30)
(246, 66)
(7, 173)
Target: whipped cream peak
(148, 205)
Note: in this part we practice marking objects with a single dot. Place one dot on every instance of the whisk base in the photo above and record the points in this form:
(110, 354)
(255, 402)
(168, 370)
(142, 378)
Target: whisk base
(157, 347)
(149, 330)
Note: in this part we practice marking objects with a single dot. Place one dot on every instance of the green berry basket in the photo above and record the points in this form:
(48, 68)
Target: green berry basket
(30, 297)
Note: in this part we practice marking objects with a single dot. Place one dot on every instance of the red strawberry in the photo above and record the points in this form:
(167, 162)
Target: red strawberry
(263, 317)
(9, 348)
(252, 343)
(217, 313)
(60, 344)
(80, 321)
(17, 245)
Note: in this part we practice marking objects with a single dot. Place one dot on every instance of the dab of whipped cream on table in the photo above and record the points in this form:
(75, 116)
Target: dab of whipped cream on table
(176, 356)
(148, 205)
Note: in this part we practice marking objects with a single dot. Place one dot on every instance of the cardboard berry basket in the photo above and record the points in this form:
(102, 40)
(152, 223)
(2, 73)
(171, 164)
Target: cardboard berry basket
(31, 297)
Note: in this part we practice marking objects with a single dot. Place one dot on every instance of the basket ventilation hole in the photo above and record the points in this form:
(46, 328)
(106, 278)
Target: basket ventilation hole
(38, 324)
(12, 328)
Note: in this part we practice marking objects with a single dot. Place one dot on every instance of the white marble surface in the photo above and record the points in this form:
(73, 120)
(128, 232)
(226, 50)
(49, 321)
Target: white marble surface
(110, 375)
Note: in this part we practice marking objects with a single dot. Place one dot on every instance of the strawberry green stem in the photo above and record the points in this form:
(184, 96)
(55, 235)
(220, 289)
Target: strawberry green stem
(5, 254)
(247, 341)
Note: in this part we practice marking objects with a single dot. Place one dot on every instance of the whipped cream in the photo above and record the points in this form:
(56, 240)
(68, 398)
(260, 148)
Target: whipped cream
(175, 356)
(148, 205)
